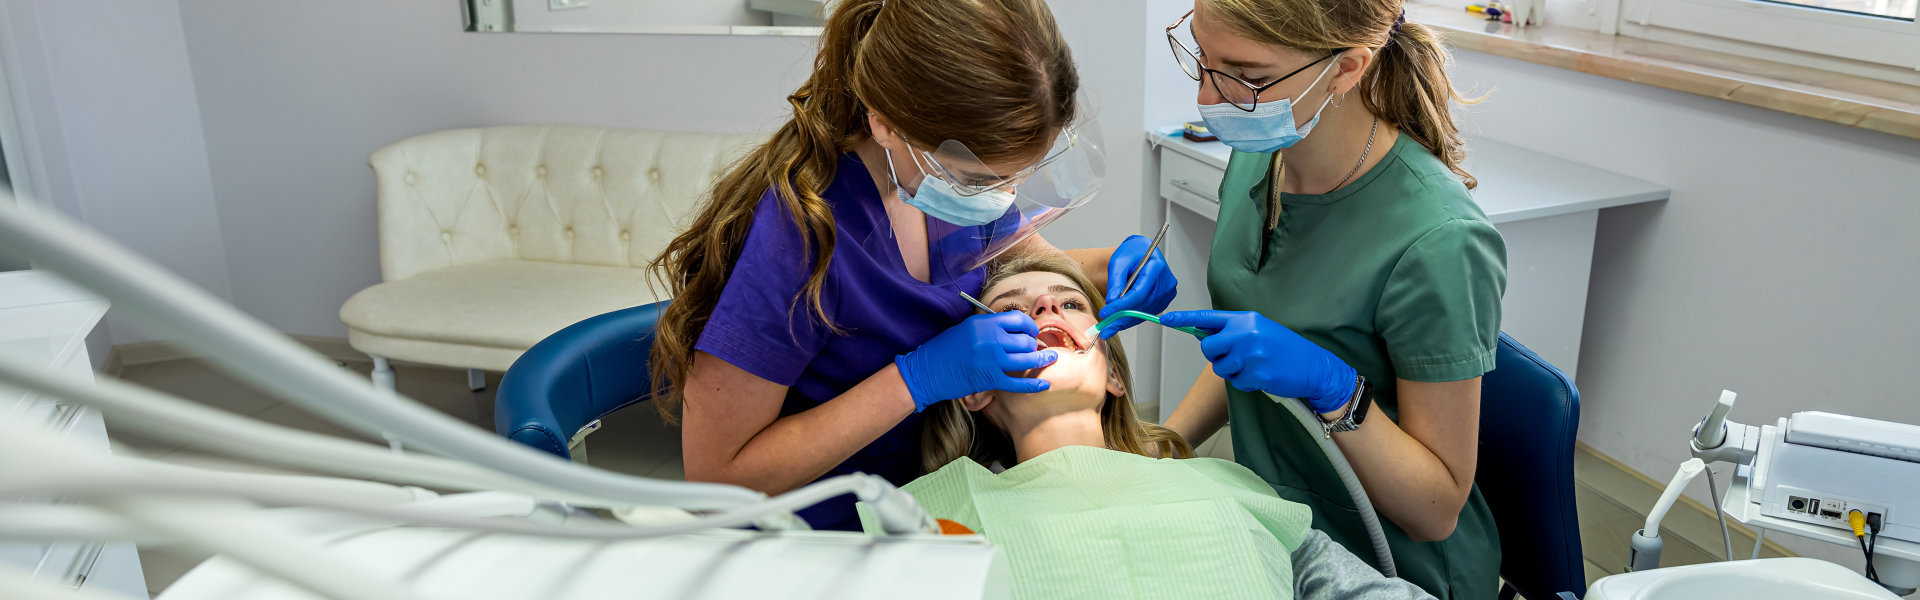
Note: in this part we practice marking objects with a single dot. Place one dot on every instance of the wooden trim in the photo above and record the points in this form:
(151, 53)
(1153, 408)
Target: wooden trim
(1850, 100)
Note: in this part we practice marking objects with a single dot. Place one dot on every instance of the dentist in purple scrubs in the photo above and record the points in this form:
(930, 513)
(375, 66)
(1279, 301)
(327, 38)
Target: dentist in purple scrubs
(816, 298)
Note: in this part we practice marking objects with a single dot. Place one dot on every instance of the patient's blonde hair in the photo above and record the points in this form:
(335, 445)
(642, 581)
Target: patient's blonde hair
(951, 432)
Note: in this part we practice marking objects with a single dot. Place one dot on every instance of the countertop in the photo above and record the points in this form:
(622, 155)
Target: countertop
(1515, 184)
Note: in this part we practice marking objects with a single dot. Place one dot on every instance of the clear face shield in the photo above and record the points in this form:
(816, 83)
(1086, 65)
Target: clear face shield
(1066, 177)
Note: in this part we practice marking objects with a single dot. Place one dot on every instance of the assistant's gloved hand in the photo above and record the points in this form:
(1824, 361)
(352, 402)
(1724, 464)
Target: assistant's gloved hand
(1253, 353)
(975, 356)
(1152, 291)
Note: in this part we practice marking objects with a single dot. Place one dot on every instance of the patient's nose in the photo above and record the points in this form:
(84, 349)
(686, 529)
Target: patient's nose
(1047, 304)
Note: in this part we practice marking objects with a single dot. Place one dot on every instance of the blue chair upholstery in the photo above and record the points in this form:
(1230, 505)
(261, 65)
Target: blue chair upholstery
(1529, 413)
(577, 375)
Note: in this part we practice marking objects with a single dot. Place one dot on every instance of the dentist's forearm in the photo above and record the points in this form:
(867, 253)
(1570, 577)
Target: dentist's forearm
(721, 444)
(1094, 262)
(1091, 260)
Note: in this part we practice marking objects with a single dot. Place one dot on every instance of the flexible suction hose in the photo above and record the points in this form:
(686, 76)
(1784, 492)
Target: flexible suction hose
(1382, 554)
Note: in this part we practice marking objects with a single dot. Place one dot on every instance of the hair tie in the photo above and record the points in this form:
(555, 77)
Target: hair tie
(1398, 22)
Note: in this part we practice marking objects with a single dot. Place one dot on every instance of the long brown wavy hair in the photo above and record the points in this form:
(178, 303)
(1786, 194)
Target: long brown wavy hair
(951, 432)
(993, 74)
(1407, 85)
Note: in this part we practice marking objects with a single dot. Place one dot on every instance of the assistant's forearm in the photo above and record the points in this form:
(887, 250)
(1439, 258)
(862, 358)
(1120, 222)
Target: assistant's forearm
(796, 449)
(1406, 481)
(1203, 411)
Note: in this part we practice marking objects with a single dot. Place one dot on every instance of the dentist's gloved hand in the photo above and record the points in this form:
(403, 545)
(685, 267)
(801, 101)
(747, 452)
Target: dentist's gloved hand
(1152, 291)
(975, 356)
(1253, 353)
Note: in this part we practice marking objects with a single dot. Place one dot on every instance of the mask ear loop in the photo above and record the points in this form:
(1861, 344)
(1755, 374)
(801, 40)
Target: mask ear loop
(1316, 81)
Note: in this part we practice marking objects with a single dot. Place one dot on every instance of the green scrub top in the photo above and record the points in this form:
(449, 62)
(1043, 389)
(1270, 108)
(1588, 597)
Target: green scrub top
(1400, 275)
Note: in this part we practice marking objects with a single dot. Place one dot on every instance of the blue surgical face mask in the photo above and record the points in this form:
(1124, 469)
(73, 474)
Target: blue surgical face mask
(1267, 128)
(938, 199)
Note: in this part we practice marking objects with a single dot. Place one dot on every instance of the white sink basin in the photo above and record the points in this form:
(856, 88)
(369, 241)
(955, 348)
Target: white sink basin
(1765, 579)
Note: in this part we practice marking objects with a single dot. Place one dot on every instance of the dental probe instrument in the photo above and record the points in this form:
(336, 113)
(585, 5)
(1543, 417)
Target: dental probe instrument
(976, 302)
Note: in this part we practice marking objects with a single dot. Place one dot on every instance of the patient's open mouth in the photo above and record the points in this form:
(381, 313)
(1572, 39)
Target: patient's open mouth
(1054, 336)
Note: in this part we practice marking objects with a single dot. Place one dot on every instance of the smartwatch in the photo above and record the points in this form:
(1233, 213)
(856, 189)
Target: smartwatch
(1356, 409)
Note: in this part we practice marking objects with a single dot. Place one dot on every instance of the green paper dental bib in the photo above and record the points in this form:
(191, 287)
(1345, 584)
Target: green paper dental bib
(1084, 522)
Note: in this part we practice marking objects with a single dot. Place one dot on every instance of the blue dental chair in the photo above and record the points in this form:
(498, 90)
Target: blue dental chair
(574, 377)
(1529, 413)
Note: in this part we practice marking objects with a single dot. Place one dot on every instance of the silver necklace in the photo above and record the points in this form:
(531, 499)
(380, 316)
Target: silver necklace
(1273, 197)
(1363, 156)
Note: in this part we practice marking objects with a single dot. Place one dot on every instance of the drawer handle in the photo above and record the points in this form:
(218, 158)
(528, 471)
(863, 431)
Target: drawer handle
(1188, 187)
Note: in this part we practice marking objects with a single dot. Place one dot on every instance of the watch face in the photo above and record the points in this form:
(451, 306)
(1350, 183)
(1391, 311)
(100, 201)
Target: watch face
(1362, 403)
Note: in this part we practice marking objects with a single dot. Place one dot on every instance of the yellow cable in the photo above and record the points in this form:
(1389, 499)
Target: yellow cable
(1859, 522)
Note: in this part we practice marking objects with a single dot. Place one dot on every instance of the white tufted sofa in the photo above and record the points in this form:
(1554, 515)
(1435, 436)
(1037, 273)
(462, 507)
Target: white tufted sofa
(492, 239)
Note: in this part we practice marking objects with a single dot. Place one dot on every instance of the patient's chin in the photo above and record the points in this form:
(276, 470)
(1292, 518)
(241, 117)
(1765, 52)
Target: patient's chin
(1075, 381)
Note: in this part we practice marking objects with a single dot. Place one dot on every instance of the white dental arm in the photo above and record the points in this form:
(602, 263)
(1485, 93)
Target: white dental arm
(251, 351)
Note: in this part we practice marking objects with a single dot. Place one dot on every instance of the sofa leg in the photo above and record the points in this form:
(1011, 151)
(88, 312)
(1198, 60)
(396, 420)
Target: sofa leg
(476, 380)
(382, 374)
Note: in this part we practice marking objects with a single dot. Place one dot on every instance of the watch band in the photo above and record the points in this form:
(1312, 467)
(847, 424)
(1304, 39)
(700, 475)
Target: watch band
(1356, 409)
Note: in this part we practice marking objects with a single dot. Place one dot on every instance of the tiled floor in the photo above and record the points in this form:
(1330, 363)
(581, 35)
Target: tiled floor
(633, 441)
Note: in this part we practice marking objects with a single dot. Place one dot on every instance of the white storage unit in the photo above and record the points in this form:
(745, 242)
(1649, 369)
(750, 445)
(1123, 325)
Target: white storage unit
(45, 320)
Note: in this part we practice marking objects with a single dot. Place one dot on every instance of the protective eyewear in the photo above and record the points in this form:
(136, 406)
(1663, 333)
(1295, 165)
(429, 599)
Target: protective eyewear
(1242, 95)
(954, 163)
(1069, 176)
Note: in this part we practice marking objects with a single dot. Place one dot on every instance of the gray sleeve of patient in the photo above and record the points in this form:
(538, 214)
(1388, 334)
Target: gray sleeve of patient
(1325, 569)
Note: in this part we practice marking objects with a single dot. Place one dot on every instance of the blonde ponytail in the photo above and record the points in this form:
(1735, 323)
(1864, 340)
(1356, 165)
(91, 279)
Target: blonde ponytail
(1408, 86)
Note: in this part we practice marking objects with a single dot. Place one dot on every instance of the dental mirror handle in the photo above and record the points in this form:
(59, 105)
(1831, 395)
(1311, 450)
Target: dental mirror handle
(976, 302)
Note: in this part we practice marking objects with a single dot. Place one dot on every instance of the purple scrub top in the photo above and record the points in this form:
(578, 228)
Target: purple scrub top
(761, 325)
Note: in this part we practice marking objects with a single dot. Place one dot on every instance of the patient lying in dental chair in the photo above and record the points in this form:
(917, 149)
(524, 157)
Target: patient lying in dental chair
(1093, 502)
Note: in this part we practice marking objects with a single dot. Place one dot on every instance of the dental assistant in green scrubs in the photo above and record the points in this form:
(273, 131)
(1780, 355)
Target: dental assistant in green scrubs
(1350, 271)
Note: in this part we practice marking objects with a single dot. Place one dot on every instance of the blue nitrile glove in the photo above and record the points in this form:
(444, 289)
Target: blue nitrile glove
(975, 356)
(1152, 291)
(1253, 353)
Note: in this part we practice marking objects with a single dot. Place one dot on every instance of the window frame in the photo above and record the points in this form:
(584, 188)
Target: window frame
(1881, 42)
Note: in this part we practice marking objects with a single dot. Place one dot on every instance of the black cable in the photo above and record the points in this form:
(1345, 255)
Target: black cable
(1873, 544)
(1868, 552)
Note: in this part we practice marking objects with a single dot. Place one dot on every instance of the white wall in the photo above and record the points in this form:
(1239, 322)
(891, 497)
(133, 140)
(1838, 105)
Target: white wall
(535, 15)
(1783, 267)
(296, 95)
(105, 92)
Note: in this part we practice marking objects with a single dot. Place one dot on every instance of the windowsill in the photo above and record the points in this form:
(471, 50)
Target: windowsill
(1840, 98)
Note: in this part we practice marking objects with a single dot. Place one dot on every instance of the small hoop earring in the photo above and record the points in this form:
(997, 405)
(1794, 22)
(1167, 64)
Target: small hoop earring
(1339, 100)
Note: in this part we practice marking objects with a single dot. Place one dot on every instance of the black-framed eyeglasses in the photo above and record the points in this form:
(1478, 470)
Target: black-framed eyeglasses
(1244, 96)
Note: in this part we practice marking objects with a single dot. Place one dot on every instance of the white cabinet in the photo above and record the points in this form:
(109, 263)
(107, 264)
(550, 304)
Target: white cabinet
(1546, 208)
(45, 321)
